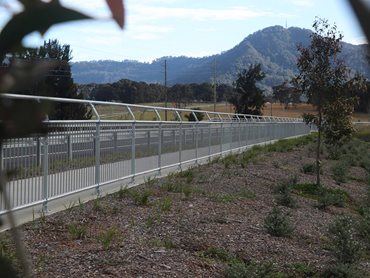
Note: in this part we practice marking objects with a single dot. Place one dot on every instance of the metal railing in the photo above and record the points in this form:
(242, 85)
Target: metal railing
(82, 155)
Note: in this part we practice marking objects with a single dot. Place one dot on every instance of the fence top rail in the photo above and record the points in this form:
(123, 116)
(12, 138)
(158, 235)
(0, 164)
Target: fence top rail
(216, 116)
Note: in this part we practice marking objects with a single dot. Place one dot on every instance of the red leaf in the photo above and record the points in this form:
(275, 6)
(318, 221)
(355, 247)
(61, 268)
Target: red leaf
(118, 11)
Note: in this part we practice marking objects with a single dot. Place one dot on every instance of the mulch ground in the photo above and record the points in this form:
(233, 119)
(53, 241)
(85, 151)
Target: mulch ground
(222, 208)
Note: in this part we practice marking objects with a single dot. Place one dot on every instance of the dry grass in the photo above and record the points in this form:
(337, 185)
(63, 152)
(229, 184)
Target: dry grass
(277, 109)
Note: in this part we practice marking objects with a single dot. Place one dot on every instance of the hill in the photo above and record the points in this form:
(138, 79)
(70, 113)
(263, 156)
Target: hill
(273, 47)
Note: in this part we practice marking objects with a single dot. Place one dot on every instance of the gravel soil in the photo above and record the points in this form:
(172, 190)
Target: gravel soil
(218, 206)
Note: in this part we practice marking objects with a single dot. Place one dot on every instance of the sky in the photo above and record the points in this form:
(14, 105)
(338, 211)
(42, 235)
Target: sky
(194, 28)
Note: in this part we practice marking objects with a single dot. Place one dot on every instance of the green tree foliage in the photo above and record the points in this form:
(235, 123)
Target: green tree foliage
(247, 97)
(324, 79)
(363, 105)
(199, 115)
(285, 94)
(128, 91)
(57, 81)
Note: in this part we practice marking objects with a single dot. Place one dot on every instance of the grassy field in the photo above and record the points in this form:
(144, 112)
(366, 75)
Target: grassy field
(276, 109)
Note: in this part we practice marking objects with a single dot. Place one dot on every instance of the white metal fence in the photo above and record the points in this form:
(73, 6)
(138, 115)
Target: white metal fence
(83, 155)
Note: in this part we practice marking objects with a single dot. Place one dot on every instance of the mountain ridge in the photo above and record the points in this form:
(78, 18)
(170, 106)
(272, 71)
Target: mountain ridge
(274, 47)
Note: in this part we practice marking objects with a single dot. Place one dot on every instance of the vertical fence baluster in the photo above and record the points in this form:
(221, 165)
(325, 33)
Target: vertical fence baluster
(69, 147)
(133, 151)
(1, 157)
(160, 148)
(45, 174)
(97, 158)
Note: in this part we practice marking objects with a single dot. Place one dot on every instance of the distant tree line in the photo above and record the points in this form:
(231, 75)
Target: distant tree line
(128, 91)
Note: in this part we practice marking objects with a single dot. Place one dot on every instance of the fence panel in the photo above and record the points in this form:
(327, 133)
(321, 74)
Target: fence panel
(80, 155)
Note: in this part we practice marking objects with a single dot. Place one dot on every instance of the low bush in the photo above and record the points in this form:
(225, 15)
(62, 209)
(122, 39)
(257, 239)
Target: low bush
(333, 197)
(340, 171)
(77, 231)
(239, 269)
(325, 196)
(283, 193)
(277, 223)
(218, 253)
(141, 198)
(341, 271)
(229, 160)
(364, 227)
(165, 204)
(106, 238)
(187, 174)
(342, 240)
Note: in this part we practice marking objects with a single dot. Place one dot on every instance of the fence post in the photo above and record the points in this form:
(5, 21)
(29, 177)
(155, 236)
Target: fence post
(209, 140)
(239, 125)
(45, 174)
(97, 158)
(69, 147)
(180, 145)
(160, 148)
(133, 151)
(180, 138)
(1, 157)
(38, 151)
(222, 137)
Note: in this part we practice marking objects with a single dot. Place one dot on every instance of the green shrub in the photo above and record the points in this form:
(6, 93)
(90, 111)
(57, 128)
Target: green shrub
(169, 186)
(364, 228)
(229, 160)
(283, 193)
(123, 192)
(97, 205)
(246, 194)
(141, 198)
(303, 270)
(224, 198)
(277, 224)
(341, 271)
(325, 196)
(340, 172)
(152, 219)
(342, 240)
(165, 204)
(107, 237)
(188, 175)
(188, 190)
(239, 269)
(310, 168)
(286, 199)
(77, 231)
(218, 253)
(328, 198)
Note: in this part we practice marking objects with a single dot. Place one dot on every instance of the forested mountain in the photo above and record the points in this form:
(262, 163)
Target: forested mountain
(275, 48)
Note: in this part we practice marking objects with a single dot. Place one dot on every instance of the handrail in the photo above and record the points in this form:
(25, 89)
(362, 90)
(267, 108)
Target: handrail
(154, 108)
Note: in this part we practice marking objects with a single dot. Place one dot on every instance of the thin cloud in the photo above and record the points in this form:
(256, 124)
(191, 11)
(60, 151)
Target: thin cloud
(302, 3)
(145, 12)
(148, 32)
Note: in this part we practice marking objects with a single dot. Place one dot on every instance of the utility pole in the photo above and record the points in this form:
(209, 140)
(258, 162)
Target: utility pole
(165, 87)
(214, 87)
